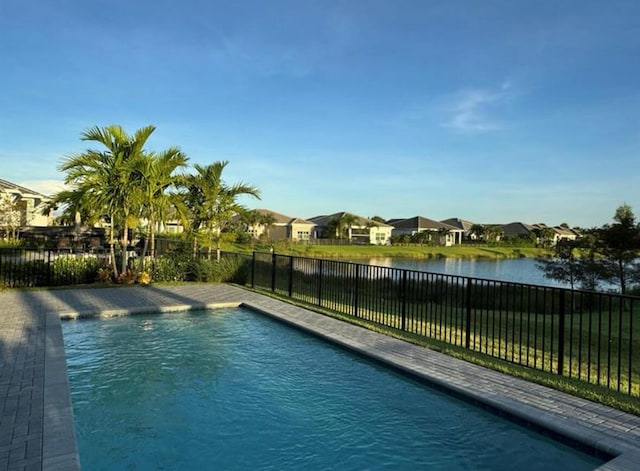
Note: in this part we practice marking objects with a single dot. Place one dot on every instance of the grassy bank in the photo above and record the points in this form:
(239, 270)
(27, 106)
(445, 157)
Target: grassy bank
(412, 251)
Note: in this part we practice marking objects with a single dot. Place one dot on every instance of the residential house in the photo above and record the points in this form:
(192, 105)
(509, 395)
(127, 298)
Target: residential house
(444, 234)
(20, 206)
(565, 233)
(540, 232)
(282, 228)
(357, 230)
(517, 229)
(461, 224)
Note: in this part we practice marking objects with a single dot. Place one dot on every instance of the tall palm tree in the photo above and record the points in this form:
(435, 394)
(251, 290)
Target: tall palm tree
(156, 174)
(211, 203)
(347, 220)
(105, 181)
(267, 220)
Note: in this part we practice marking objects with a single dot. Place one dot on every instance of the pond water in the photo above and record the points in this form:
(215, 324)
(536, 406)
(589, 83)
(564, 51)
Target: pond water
(519, 270)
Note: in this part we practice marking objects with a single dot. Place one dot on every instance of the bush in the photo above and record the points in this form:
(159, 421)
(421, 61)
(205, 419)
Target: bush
(171, 267)
(71, 269)
(181, 267)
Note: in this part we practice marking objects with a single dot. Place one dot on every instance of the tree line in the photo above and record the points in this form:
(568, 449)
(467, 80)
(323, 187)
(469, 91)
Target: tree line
(124, 185)
(608, 255)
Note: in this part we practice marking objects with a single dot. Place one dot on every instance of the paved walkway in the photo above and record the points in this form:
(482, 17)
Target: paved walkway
(36, 425)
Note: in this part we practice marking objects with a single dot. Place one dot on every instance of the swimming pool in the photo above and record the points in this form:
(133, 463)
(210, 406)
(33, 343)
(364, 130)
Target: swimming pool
(232, 389)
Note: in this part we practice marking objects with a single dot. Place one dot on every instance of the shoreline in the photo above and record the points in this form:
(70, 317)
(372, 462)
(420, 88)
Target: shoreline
(416, 252)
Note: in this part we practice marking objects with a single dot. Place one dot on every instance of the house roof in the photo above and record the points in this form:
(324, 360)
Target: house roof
(282, 218)
(324, 220)
(566, 231)
(459, 223)
(517, 228)
(24, 192)
(420, 223)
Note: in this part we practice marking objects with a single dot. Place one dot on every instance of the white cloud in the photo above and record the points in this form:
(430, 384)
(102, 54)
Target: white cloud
(474, 110)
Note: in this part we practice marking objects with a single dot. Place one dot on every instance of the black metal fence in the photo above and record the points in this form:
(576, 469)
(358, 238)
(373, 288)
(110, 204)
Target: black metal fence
(21, 267)
(589, 336)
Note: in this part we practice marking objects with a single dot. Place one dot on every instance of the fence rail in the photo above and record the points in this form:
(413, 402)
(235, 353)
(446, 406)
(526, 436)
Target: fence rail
(589, 336)
(21, 267)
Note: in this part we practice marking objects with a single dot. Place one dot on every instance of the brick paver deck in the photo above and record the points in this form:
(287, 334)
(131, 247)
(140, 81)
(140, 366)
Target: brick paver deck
(36, 425)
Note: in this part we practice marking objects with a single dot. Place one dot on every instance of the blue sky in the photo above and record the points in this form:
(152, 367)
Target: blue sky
(491, 111)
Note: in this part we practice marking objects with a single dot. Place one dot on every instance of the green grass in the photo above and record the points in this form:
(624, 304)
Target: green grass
(408, 251)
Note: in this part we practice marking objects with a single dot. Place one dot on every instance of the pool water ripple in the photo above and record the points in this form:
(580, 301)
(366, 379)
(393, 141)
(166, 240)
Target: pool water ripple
(231, 389)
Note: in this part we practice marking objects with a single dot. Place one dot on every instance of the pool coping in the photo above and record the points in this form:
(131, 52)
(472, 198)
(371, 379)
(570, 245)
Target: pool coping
(601, 428)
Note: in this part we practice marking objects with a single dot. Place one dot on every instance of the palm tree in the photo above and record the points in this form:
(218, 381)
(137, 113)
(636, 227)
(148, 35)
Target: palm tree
(443, 234)
(211, 203)
(478, 231)
(104, 182)
(156, 174)
(252, 220)
(347, 220)
(267, 220)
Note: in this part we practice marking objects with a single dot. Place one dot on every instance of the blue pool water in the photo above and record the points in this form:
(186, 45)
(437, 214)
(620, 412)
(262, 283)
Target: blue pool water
(232, 389)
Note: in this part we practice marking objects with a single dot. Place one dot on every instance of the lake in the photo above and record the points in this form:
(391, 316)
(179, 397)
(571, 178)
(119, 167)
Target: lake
(519, 270)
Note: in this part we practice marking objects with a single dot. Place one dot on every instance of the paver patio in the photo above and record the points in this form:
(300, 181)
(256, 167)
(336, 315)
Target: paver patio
(36, 425)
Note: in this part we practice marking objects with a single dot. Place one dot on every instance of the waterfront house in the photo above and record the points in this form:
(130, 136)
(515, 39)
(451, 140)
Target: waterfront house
(517, 229)
(281, 227)
(462, 224)
(356, 229)
(441, 233)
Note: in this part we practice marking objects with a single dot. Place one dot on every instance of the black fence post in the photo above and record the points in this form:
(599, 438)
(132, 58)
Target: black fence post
(320, 264)
(49, 268)
(355, 290)
(561, 333)
(290, 276)
(253, 270)
(404, 299)
(273, 272)
(467, 331)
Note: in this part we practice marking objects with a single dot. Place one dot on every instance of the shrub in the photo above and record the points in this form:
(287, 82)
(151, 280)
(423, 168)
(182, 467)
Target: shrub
(71, 269)
(171, 267)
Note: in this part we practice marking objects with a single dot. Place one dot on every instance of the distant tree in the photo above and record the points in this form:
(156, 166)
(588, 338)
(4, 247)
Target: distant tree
(493, 233)
(347, 220)
(9, 215)
(544, 236)
(267, 220)
(378, 219)
(609, 253)
(574, 262)
(252, 220)
(443, 233)
(423, 237)
(620, 245)
(477, 231)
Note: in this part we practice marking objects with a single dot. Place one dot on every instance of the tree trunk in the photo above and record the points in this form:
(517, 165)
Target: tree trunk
(112, 250)
(125, 246)
(152, 251)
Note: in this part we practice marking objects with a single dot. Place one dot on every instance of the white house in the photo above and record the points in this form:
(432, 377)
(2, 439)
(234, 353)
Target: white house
(359, 229)
(20, 206)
